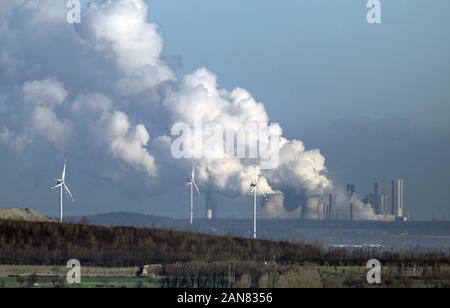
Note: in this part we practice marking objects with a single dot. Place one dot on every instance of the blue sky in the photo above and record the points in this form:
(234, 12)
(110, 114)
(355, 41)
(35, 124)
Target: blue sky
(320, 59)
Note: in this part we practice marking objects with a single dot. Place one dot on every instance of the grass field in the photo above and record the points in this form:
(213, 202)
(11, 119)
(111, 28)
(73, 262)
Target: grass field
(12, 276)
(27, 270)
(24, 276)
(90, 282)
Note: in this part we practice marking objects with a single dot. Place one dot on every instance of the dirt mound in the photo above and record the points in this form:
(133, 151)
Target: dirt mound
(23, 215)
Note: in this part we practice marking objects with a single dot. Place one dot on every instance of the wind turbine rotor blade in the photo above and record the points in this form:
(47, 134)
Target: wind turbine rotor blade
(57, 186)
(196, 187)
(63, 177)
(260, 190)
(69, 193)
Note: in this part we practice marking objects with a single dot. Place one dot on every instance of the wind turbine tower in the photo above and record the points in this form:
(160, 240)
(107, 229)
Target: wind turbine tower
(254, 188)
(191, 182)
(61, 184)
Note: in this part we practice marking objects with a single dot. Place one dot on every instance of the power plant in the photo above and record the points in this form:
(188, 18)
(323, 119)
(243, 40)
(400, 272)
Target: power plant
(385, 204)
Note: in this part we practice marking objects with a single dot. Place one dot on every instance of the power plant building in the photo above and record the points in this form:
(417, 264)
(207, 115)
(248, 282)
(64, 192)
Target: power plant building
(388, 199)
(383, 192)
(398, 198)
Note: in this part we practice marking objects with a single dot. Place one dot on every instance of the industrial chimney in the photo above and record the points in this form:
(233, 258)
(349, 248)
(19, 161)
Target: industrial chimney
(351, 193)
(211, 206)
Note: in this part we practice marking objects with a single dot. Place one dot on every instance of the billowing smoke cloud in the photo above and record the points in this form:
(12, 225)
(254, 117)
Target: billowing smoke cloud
(198, 96)
(47, 92)
(94, 103)
(274, 208)
(45, 96)
(300, 170)
(119, 31)
(127, 143)
(361, 211)
(40, 100)
(17, 142)
(110, 78)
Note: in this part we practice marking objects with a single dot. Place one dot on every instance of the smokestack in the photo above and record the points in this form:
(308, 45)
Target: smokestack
(351, 189)
(398, 198)
(211, 206)
(351, 192)
(209, 214)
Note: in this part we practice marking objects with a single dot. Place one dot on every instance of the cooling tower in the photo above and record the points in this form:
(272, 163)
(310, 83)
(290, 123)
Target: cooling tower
(274, 206)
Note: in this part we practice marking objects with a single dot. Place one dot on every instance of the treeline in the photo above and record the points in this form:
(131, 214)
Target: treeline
(36, 243)
(55, 244)
(238, 275)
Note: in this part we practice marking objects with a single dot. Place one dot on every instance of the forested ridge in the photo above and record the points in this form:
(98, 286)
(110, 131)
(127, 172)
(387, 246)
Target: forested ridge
(54, 244)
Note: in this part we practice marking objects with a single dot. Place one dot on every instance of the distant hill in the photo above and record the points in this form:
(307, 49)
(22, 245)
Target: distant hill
(17, 214)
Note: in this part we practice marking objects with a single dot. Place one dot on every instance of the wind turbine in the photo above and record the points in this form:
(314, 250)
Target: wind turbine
(254, 187)
(61, 183)
(191, 182)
